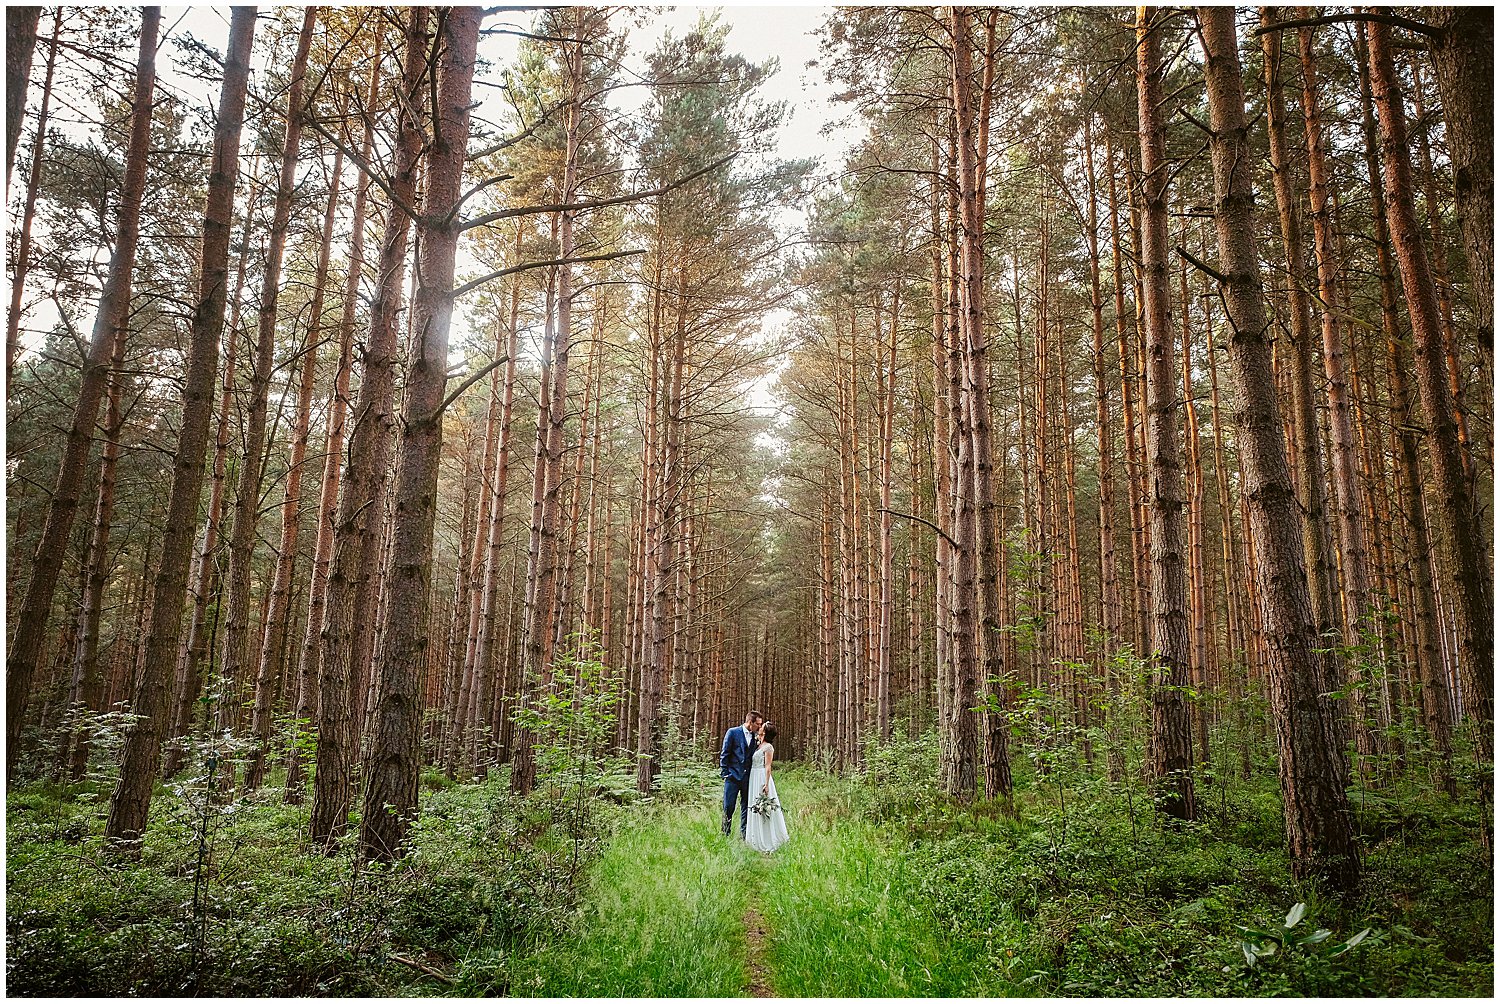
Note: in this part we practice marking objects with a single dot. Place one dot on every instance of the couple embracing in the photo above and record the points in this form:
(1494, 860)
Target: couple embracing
(745, 764)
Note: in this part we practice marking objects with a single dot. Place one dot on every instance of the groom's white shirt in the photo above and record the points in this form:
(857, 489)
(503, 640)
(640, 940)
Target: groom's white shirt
(749, 736)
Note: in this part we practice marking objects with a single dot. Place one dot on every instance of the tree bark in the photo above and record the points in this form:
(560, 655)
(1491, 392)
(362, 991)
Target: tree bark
(309, 661)
(1171, 725)
(1355, 563)
(356, 543)
(663, 563)
(239, 639)
(1134, 475)
(886, 373)
(1459, 514)
(1320, 837)
(539, 625)
(87, 684)
(1439, 239)
(487, 672)
(1316, 543)
(110, 317)
(205, 576)
(131, 801)
(20, 43)
(394, 763)
(972, 122)
(1464, 56)
(1432, 683)
(1109, 583)
(278, 604)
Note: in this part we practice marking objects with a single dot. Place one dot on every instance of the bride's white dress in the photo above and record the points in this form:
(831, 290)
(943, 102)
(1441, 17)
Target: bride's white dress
(764, 833)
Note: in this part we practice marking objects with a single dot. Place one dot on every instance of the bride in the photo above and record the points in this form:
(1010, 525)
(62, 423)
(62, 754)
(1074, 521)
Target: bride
(767, 827)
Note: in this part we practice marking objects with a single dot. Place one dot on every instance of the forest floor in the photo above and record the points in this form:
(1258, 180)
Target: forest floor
(886, 891)
(676, 910)
(886, 888)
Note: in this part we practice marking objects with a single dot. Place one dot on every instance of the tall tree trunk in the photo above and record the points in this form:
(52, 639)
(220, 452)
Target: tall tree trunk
(1355, 563)
(33, 186)
(393, 764)
(1197, 586)
(1432, 684)
(1237, 630)
(239, 639)
(131, 801)
(534, 637)
(1439, 239)
(565, 624)
(205, 577)
(1316, 543)
(663, 558)
(356, 534)
(1171, 724)
(1320, 838)
(972, 121)
(464, 666)
(887, 382)
(1459, 513)
(309, 661)
(20, 43)
(1134, 475)
(87, 683)
(1109, 584)
(539, 626)
(111, 315)
(1464, 56)
(278, 604)
(487, 672)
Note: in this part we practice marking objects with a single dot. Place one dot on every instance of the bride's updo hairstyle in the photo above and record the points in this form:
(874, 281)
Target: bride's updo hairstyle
(770, 732)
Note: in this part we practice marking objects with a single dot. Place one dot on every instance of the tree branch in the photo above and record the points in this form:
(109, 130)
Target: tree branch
(1195, 120)
(510, 141)
(1394, 20)
(469, 287)
(1203, 267)
(360, 162)
(564, 207)
(474, 378)
(424, 968)
(481, 186)
(925, 522)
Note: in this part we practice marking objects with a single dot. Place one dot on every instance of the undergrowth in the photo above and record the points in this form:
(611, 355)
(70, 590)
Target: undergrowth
(1086, 893)
(229, 898)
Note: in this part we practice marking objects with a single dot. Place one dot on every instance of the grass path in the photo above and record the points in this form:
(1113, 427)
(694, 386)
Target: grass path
(675, 910)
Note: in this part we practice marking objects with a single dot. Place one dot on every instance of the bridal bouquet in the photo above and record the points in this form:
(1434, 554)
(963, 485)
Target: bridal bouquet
(765, 804)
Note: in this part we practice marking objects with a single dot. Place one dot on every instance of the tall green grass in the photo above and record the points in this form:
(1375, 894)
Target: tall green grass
(841, 922)
(665, 911)
(664, 915)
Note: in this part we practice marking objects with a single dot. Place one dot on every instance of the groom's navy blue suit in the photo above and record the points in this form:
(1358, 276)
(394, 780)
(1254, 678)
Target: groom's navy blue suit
(734, 768)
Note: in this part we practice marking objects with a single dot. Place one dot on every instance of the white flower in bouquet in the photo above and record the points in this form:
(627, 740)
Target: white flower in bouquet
(765, 804)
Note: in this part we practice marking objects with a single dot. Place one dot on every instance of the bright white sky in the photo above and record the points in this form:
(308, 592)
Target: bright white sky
(761, 33)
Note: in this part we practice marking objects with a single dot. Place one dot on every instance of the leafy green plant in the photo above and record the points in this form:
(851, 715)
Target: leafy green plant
(572, 722)
(1261, 943)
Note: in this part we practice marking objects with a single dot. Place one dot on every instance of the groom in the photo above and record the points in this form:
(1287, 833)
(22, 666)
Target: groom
(734, 768)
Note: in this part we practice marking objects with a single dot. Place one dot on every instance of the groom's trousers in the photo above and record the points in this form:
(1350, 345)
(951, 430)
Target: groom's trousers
(736, 791)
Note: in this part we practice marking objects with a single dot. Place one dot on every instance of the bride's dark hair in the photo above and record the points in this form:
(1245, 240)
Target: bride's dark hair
(770, 732)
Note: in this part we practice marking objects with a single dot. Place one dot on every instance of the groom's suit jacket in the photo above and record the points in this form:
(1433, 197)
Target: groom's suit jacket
(734, 758)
